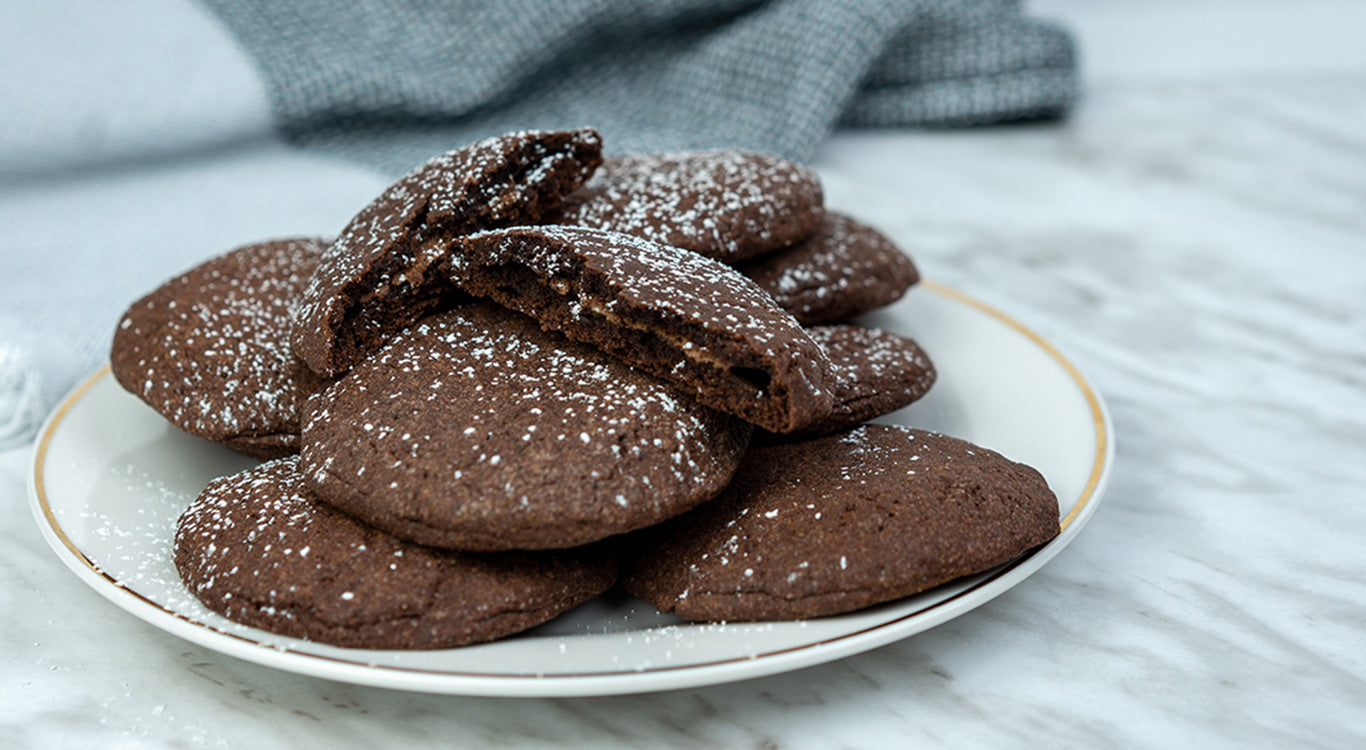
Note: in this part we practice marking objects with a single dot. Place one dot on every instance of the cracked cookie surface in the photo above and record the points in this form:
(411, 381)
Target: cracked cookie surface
(476, 429)
(690, 320)
(727, 205)
(841, 523)
(257, 549)
(209, 349)
(876, 372)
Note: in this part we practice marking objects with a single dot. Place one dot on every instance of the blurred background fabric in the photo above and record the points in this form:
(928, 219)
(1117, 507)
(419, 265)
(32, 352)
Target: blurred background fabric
(393, 82)
(138, 139)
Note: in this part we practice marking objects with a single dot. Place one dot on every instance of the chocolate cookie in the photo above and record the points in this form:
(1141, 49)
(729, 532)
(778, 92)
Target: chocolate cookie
(678, 315)
(255, 548)
(841, 523)
(209, 349)
(844, 269)
(728, 205)
(373, 280)
(876, 373)
(476, 429)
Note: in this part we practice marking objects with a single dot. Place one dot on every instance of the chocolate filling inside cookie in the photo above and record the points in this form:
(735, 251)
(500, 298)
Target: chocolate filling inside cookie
(741, 358)
(630, 332)
(477, 429)
(832, 525)
(376, 278)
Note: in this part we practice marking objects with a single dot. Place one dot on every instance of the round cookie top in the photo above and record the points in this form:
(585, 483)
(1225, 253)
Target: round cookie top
(257, 549)
(845, 269)
(843, 522)
(209, 349)
(373, 279)
(475, 429)
(728, 205)
(876, 373)
(691, 320)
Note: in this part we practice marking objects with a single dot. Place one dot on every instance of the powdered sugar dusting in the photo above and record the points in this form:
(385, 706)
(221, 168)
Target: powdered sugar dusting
(532, 426)
(709, 312)
(388, 247)
(722, 204)
(642, 274)
(876, 372)
(210, 350)
(846, 521)
(256, 549)
(844, 269)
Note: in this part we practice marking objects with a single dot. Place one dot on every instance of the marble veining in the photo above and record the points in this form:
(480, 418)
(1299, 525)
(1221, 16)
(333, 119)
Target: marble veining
(1198, 248)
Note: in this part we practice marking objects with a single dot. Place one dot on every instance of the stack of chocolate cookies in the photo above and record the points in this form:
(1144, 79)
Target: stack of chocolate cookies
(525, 374)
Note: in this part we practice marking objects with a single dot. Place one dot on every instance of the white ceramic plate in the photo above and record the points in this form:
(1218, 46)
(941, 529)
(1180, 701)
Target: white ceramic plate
(110, 478)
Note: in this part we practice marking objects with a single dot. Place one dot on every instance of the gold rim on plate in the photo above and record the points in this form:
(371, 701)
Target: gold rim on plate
(1093, 481)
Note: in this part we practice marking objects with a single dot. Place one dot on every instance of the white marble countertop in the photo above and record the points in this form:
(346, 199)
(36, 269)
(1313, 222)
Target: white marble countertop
(1194, 239)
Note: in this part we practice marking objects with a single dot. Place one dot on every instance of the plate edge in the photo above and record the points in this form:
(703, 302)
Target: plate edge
(1081, 509)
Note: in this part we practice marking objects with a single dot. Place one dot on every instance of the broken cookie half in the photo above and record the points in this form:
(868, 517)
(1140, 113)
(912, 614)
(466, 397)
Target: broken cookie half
(682, 317)
(374, 279)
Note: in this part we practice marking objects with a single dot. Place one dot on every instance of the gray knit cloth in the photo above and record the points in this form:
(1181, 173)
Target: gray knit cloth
(391, 83)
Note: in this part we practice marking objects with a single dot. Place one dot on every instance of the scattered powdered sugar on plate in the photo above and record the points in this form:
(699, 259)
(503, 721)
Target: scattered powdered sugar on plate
(131, 543)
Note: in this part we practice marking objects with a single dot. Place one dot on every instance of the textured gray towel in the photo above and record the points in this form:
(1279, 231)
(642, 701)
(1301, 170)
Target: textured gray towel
(393, 82)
